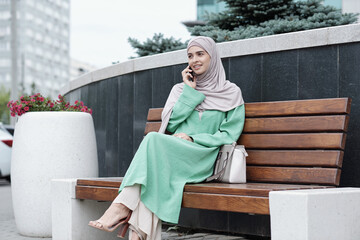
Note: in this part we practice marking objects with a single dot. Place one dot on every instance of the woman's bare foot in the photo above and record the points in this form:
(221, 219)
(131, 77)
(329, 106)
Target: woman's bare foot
(111, 217)
(134, 235)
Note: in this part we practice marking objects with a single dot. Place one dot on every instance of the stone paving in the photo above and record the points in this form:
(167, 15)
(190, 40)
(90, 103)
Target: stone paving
(8, 229)
(197, 236)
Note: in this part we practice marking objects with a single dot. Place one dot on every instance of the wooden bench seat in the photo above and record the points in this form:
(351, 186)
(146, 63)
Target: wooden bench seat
(212, 196)
(291, 145)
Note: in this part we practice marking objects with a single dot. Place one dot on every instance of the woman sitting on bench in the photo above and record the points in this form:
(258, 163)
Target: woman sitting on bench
(203, 112)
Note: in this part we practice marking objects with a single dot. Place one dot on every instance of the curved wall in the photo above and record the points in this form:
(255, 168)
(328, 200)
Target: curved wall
(320, 63)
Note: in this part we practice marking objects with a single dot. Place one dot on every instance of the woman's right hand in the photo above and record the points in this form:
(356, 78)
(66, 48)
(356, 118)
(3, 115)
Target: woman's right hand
(184, 136)
(186, 76)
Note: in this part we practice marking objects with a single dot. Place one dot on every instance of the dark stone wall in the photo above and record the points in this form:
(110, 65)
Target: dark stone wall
(120, 106)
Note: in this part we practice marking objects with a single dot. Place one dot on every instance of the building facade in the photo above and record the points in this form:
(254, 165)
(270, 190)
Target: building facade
(41, 53)
(208, 6)
(78, 68)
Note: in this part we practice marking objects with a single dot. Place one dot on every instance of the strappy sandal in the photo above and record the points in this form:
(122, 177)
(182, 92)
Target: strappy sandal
(122, 230)
(122, 223)
(132, 231)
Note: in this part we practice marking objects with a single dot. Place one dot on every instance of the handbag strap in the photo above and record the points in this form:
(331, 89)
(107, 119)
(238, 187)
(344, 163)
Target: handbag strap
(222, 171)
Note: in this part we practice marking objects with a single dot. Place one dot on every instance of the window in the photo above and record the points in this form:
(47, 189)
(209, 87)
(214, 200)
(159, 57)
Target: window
(29, 63)
(5, 15)
(29, 32)
(4, 2)
(29, 16)
(4, 62)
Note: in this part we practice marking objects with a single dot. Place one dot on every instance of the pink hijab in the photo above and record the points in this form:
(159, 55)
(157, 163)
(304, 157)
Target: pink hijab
(220, 94)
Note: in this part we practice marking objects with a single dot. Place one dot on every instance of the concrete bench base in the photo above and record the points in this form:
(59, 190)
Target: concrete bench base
(315, 214)
(70, 216)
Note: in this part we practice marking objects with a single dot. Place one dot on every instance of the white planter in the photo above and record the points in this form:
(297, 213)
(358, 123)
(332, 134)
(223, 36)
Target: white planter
(48, 145)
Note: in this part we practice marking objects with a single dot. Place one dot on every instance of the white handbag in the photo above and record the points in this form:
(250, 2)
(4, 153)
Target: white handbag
(230, 165)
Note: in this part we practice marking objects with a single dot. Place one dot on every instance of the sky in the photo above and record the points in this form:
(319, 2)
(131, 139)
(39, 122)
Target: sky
(99, 29)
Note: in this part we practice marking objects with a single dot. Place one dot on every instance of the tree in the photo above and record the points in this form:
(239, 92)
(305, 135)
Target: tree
(253, 18)
(4, 99)
(158, 44)
(249, 12)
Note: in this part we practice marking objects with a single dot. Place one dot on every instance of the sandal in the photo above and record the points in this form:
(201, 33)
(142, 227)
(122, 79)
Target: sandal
(122, 230)
(123, 223)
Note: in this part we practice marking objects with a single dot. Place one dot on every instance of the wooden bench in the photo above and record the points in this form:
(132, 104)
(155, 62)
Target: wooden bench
(291, 145)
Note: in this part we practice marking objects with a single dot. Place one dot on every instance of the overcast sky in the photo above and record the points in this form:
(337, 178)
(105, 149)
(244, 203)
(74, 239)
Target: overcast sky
(100, 29)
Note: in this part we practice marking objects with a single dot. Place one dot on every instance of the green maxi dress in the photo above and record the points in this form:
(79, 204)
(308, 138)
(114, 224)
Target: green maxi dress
(163, 164)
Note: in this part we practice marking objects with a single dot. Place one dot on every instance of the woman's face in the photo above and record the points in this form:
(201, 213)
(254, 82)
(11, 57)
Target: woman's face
(199, 59)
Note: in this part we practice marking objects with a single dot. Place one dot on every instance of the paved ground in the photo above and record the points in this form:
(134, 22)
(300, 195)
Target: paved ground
(8, 227)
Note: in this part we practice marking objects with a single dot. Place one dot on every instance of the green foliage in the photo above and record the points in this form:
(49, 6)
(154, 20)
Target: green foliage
(272, 27)
(158, 44)
(4, 111)
(253, 18)
(302, 15)
(33, 89)
(249, 12)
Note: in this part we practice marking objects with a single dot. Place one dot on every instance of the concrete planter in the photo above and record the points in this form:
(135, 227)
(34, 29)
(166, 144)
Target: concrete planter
(48, 145)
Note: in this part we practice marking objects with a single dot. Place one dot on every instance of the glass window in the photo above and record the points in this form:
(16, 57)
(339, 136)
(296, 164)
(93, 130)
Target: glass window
(210, 6)
(4, 46)
(5, 62)
(4, 2)
(29, 62)
(4, 15)
(29, 32)
(39, 51)
(29, 16)
(30, 2)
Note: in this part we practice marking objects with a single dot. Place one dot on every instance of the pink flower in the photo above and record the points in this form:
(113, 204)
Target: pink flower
(12, 114)
(41, 99)
(26, 109)
(76, 102)
(83, 110)
(32, 100)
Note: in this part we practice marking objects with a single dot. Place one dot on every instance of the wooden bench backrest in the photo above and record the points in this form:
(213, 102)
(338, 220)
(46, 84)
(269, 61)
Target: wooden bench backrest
(299, 142)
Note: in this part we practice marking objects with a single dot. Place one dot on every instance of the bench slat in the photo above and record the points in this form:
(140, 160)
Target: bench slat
(297, 124)
(233, 203)
(325, 176)
(96, 193)
(102, 182)
(299, 107)
(154, 114)
(152, 127)
(220, 202)
(315, 158)
(284, 124)
(293, 141)
(247, 189)
(285, 108)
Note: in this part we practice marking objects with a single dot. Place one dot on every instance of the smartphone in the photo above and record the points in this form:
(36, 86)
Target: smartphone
(192, 74)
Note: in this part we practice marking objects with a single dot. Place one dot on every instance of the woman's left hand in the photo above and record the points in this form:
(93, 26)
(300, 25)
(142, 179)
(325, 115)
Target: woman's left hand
(188, 78)
(183, 136)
